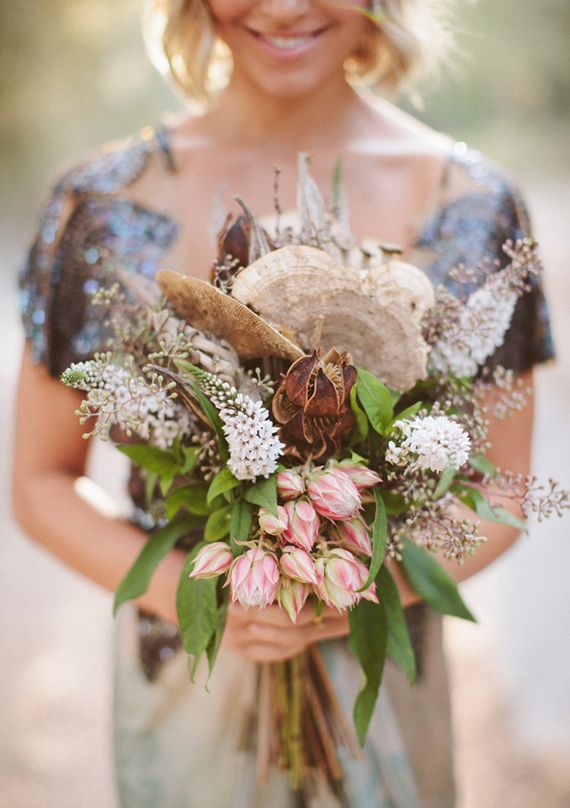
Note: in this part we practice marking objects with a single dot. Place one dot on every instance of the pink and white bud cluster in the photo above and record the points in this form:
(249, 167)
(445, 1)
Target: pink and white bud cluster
(342, 575)
(312, 545)
(254, 578)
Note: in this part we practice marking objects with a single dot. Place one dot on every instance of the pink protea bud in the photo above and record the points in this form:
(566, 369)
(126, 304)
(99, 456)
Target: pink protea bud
(353, 535)
(298, 564)
(360, 475)
(292, 596)
(290, 484)
(303, 524)
(274, 525)
(335, 596)
(254, 578)
(212, 560)
(370, 592)
(342, 577)
(333, 494)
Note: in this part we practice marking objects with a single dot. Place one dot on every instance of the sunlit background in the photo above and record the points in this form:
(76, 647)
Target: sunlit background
(74, 74)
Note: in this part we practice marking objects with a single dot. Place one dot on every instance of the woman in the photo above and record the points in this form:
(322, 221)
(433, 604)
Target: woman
(153, 201)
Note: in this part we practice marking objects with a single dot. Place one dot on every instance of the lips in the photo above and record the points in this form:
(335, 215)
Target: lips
(288, 42)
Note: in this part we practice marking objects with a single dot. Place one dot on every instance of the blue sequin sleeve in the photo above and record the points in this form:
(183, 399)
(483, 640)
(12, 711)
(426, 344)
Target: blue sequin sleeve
(528, 341)
(87, 230)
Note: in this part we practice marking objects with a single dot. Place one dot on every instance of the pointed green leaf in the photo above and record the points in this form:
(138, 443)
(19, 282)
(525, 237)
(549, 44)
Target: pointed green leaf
(484, 466)
(223, 481)
(159, 543)
(149, 486)
(208, 408)
(406, 414)
(477, 501)
(218, 524)
(216, 638)
(192, 497)
(362, 424)
(376, 400)
(165, 484)
(241, 518)
(191, 455)
(399, 645)
(395, 504)
(379, 536)
(367, 641)
(432, 582)
(445, 481)
(505, 517)
(197, 610)
(158, 461)
(264, 493)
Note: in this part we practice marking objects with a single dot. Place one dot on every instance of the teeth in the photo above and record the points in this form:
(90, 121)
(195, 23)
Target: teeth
(287, 43)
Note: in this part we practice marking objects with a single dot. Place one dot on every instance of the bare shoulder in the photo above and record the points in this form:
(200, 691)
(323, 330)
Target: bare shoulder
(387, 131)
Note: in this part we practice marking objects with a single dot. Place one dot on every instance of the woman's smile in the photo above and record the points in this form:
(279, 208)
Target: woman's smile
(288, 44)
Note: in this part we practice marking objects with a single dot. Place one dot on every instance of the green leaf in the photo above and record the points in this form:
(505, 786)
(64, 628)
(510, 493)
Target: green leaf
(197, 610)
(362, 423)
(367, 641)
(475, 500)
(379, 536)
(484, 466)
(216, 638)
(223, 481)
(399, 646)
(158, 461)
(376, 400)
(240, 521)
(190, 455)
(159, 543)
(218, 524)
(192, 497)
(149, 486)
(395, 504)
(445, 481)
(409, 412)
(165, 484)
(505, 517)
(264, 493)
(208, 408)
(432, 582)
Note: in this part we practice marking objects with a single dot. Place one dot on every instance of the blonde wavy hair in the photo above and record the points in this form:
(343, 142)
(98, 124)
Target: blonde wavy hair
(410, 41)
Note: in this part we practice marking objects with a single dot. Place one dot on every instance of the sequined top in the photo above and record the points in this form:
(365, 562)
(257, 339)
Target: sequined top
(93, 223)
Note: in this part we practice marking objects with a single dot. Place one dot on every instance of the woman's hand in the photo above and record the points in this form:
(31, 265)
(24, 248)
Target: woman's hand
(268, 635)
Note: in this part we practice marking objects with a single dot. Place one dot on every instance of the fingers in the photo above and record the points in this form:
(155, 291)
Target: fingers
(260, 636)
(276, 616)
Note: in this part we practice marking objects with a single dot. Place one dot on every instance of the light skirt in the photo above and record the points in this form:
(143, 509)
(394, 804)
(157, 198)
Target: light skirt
(178, 745)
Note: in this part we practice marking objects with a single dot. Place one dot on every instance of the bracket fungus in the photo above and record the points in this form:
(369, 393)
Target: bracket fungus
(375, 317)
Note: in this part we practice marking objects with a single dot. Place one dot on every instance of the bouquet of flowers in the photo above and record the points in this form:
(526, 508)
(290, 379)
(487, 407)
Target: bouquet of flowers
(317, 409)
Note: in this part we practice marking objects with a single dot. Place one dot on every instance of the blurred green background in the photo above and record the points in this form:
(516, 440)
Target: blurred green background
(74, 73)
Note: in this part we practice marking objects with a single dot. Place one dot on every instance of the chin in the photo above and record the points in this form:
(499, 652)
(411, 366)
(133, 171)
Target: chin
(293, 85)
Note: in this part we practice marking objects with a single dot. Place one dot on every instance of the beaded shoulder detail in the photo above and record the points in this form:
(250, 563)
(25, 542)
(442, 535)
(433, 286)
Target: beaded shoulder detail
(87, 229)
(480, 208)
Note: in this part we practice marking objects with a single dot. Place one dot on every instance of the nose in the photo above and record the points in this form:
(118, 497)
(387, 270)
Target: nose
(285, 11)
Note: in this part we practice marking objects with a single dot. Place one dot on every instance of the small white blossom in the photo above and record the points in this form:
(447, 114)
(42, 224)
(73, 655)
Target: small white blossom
(479, 331)
(117, 397)
(252, 436)
(430, 442)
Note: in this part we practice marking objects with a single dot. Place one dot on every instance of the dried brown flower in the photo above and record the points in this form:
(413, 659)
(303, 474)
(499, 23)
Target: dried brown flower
(312, 403)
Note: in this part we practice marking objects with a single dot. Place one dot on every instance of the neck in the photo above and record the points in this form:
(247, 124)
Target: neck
(249, 116)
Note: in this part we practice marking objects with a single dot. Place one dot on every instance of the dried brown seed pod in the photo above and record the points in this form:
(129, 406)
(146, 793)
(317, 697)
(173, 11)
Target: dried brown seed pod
(206, 308)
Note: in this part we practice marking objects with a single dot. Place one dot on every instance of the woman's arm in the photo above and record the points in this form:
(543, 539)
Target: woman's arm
(510, 450)
(49, 457)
